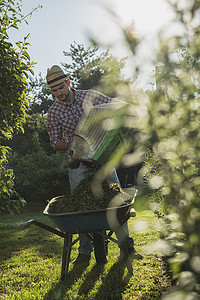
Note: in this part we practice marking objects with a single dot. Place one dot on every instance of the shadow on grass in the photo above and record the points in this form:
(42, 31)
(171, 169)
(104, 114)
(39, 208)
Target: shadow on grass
(90, 280)
(60, 289)
(13, 240)
(104, 288)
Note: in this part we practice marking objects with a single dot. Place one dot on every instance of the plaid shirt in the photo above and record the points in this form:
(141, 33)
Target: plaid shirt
(63, 118)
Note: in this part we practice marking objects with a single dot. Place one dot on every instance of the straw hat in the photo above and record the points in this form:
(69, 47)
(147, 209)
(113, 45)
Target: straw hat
(55, 76)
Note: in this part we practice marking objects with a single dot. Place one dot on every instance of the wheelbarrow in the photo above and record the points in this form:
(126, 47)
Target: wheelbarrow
(98, 224)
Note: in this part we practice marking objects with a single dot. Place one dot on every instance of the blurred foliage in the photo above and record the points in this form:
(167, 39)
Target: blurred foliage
(168, 119)
(15, 65)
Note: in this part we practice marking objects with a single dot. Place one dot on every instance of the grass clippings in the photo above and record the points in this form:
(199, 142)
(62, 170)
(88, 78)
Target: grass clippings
(88, 197)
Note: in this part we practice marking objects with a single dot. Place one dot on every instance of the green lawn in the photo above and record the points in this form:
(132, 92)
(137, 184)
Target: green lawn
(30, 265)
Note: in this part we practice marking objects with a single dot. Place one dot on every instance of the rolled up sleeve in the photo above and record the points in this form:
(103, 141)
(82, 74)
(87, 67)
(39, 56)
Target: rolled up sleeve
(54, 128)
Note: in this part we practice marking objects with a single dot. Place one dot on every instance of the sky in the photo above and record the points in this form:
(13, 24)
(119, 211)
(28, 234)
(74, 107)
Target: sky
(61, 22)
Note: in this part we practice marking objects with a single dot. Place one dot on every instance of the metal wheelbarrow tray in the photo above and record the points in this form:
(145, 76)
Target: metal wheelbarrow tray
(89, 221)
(94, 222)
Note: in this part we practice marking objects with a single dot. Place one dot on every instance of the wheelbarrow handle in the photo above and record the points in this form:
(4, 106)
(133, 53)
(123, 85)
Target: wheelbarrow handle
(42, 225)
(132, 213)
(26, 224)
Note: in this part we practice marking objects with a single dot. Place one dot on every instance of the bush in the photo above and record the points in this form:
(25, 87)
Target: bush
(39, 176)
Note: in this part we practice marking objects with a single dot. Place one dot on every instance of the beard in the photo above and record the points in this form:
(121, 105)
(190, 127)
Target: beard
(65, 97)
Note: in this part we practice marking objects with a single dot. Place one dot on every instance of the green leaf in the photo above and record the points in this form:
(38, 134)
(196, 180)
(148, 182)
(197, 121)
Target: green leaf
(25, 55)
(19, 44)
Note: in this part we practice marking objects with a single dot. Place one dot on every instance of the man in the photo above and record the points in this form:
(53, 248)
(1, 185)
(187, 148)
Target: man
(63, 118)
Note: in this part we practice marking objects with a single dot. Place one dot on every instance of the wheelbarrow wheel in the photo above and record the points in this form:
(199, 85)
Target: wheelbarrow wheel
(100, 248)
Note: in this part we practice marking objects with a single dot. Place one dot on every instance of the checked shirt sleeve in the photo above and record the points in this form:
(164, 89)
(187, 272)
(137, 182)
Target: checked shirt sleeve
(93, 98)
(54, 128)
(99, 98)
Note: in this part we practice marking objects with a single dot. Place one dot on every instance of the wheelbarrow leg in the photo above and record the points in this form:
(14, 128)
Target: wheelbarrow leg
(100, 243)
(128, 261)
(121, 232)
(66, 255)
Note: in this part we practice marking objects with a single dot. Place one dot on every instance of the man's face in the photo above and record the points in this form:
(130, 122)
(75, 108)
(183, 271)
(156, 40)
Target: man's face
(61, 91)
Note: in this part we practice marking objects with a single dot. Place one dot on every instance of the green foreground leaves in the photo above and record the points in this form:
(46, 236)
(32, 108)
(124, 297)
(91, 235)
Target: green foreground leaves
(15, 66)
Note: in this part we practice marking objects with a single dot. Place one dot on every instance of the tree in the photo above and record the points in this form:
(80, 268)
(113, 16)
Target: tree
(15, 66)
(89, 69)
(41, 97)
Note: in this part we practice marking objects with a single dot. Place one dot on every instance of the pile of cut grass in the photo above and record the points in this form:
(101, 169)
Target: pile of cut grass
(88, 196)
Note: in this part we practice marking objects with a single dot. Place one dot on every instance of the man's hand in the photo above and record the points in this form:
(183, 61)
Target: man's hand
(61, 146)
